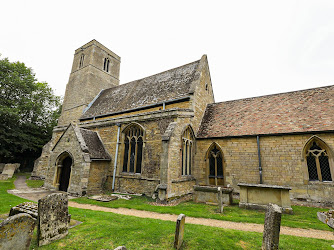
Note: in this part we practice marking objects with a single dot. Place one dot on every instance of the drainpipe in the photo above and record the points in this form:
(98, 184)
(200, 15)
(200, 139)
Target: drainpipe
(259, 156)
(115, 163)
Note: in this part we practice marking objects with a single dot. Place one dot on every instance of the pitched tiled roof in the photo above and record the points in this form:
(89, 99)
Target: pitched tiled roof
(169, 85)
(300, 111)
(94, 145)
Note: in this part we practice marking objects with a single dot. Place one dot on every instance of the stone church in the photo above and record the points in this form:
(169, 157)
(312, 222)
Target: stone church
(163, 134)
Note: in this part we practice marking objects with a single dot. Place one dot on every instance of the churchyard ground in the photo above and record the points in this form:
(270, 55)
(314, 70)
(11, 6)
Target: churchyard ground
(102, 230)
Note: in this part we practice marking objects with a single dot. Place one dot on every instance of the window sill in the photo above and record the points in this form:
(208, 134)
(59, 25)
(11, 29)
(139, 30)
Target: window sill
(324, 183)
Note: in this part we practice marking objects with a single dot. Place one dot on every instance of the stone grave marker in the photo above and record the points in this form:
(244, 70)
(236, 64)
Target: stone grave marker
(272, 226)
(52, 218)
(16, 232)
(10, 168)
(220, 200)
(327, 218)
(179, 231)
(25, 207)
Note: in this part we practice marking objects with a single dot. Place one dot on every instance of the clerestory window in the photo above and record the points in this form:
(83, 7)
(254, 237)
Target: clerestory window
(133, 149)
(318, 163)
(106, 64)
(216, 173)
(187, 151)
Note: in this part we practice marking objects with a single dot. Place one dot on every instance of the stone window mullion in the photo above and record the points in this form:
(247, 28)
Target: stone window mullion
(318, 168)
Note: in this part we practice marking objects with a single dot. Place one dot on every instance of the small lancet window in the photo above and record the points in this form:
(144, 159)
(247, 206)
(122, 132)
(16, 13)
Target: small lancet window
(187, 151)
(106, 64)
(82, 58)
(318, 163)
(216, 173)
(133, 150)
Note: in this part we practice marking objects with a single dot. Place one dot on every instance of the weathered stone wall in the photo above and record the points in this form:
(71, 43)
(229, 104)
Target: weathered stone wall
(282, 163)
(80, 166)
(97, 176)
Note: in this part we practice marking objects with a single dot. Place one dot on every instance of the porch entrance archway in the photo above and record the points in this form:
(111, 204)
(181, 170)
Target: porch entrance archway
(64, 167)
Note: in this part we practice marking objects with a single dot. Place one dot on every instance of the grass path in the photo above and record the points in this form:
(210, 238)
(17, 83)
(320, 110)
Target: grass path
(309, 233)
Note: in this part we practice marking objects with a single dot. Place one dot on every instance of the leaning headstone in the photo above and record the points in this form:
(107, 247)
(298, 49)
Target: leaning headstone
(220, 200)
(327, 218)
(272, 226)
(10, 168)
(179, 231)
(25, 207)
(52, 218)
(16, 232)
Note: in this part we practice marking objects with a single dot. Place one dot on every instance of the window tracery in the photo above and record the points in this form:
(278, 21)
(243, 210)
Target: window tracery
(133, 149)
(216, 173)
(187, 151)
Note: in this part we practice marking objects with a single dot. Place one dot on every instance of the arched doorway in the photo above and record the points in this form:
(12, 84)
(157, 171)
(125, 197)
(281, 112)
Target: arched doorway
(64, 171)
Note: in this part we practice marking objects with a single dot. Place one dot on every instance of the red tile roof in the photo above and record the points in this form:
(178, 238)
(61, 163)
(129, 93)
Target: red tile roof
(299, 111)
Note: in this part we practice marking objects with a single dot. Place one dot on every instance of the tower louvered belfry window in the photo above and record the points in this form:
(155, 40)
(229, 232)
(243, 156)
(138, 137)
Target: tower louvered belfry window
(82, 58)
(133, 149)
(106, 64)
(318, 163)
(216, 174)
(187, 151)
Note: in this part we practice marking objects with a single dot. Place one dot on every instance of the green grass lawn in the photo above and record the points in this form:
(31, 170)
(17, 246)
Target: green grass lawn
(8, 200)
(101, 230)
(303, 217)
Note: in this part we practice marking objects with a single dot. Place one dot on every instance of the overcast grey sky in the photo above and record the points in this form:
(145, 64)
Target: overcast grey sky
(254, 47)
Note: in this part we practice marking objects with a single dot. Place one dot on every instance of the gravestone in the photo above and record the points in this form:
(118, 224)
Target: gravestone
(25, 207)
(220, 200)
(3, 177)
(52, 218)
(272, 226)
(179, 231)
(10, 168)
(327, 218)
(16, 232)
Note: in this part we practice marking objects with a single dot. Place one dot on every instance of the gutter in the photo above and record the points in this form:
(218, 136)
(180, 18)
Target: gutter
(115, 163)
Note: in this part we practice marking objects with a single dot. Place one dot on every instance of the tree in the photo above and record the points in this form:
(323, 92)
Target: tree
(28, 112)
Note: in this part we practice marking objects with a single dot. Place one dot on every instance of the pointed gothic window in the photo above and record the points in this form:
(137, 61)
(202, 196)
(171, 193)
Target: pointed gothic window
(106, 64)
(216, 173)
(318, 163)
(133, 149)
(82, 57)
(187, 151)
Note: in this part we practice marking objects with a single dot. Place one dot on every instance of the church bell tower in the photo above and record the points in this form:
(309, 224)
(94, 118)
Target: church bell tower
(94, 68)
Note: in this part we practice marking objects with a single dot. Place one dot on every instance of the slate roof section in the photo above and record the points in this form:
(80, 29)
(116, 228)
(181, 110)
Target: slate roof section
(293, 112)
(94, 145)
(169, 85)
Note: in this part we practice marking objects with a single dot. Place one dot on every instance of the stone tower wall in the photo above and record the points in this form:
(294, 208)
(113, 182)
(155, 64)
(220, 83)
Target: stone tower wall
(87, 80)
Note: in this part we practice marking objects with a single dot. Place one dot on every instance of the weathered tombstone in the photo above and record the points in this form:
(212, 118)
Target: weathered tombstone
(220, 200)
(10, 168)
(272, 226)
(327, 218)
(52, 218)
(3, 177)
(179, 231)
(16, 232)
(25, 207)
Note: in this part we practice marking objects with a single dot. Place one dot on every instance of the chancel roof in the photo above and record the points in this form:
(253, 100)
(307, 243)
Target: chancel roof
(169, 85)
(299, 111)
